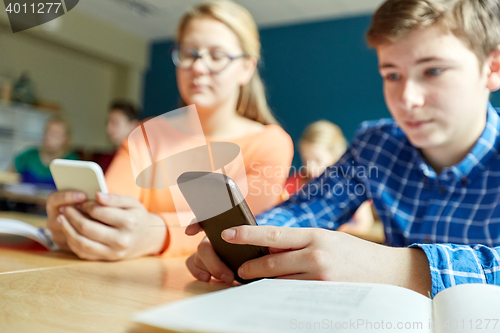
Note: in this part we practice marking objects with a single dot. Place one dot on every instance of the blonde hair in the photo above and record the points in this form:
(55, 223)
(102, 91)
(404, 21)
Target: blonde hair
(325, 133)
(475, 22)
(252, 102)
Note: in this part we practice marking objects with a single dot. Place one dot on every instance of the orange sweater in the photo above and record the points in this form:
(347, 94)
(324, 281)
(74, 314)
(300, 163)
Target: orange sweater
(267, 156)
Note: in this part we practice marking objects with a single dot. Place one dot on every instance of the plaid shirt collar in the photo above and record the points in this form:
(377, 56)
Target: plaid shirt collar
(475, 161)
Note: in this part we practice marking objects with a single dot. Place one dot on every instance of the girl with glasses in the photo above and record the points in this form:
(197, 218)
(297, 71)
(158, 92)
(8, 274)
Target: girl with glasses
(216, 67)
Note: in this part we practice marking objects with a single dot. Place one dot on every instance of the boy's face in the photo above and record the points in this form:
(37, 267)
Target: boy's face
(434, 89)
(119, 126)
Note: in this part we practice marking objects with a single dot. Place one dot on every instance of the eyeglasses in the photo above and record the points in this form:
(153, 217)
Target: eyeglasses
(214, 60)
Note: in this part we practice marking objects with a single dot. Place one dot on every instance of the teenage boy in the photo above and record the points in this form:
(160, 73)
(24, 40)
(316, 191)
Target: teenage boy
(433, 172)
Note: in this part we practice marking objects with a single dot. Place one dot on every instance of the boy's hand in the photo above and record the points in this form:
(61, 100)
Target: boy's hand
(55, 202)
(205, 263)
(318, 254)
(193, 228)
(113, 228)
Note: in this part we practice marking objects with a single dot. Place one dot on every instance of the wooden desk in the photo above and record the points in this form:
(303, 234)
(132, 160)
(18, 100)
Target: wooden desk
(37, 198)
(56, 292)
(35, 220)
(43, 291)
(94, 296)
(7, 177)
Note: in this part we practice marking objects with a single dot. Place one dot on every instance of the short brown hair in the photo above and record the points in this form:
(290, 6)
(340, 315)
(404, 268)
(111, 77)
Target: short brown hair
(127, 108)
(475, 22)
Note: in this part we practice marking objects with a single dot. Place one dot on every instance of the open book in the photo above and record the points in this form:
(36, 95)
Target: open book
(316, 306)
(19, 228)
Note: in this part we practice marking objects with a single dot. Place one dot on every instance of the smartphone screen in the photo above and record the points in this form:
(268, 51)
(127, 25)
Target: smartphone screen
(218, 204)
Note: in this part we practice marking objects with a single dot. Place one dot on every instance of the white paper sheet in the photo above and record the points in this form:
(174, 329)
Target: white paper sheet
(296, 306)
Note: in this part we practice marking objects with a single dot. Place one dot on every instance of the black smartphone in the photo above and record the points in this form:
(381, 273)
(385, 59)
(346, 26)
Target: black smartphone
(218, 204)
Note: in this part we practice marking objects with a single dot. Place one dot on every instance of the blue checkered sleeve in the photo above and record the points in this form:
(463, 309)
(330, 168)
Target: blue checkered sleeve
(327, 201)
(453, 264)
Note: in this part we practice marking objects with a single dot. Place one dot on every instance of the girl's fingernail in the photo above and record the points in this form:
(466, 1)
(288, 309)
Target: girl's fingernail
(226, 278)
(59, 219)
(62, 209)
(203, 276)
(228, 234)
(78, 196)
(103, 196)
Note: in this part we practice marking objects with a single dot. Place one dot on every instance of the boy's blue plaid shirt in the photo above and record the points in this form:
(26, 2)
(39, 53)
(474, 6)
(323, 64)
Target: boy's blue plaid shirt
(417, 206)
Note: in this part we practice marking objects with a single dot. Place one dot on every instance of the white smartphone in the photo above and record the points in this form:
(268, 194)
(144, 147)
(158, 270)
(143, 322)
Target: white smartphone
(78, 175)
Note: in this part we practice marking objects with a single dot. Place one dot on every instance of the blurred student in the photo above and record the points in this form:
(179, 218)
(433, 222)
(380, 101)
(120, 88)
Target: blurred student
(321, 145)
(33, 164)
(216, 58)
(123, 117)
(435, 167)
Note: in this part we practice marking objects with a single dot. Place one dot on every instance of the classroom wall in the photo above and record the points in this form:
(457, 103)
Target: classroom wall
(495, 99)
(321, 70)
(82, 86)
(82, 66)
(160, 87)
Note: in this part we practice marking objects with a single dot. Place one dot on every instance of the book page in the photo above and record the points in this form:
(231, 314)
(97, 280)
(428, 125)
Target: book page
(297, 306)
(467, 308)
(19, 228)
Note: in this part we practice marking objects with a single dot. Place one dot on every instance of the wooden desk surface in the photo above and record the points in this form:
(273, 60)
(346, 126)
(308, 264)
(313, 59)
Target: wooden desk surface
(44, 291)
(35, 220)
(37, 199)
(93, 297)
(8, 177)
